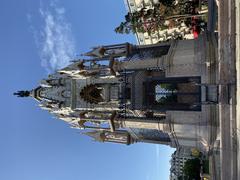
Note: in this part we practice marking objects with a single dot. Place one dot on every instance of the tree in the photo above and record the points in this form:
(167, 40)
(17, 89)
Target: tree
(191, 169)
(164, 14)
(144, 20)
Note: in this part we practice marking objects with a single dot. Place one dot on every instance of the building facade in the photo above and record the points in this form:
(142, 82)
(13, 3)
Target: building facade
(126, 93)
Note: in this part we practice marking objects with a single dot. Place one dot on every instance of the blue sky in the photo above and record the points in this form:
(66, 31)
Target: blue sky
(37, 37)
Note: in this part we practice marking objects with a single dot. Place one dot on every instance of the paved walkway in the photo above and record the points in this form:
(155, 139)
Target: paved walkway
(227, 90)
(238, 81)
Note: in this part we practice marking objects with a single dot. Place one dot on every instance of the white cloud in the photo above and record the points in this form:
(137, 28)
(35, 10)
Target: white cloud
(54, 40)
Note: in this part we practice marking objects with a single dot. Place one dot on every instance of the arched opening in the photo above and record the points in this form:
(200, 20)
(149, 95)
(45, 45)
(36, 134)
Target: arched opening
(92, 94)
(173, 94)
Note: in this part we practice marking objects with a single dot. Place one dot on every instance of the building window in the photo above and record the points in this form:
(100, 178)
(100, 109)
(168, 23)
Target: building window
(165, 93)
(173, 94)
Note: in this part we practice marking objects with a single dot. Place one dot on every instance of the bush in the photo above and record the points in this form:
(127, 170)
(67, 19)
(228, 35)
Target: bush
(191, 169)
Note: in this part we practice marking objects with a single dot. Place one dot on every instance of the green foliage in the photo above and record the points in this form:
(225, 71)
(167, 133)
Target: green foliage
(151, 20)
(180, 178)
(167, 99)
(206, 166)
(144, 20)
(191, 169)
(168, 86)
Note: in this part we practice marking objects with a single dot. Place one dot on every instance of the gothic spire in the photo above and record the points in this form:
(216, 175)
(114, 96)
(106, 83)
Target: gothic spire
(96, 52)
(22, 93)
(96, 135)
